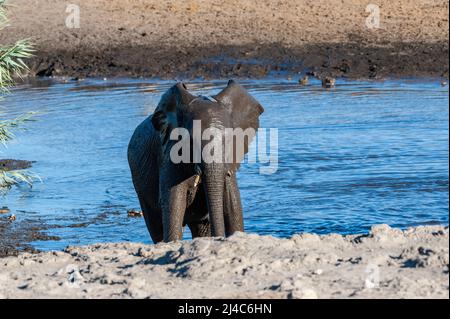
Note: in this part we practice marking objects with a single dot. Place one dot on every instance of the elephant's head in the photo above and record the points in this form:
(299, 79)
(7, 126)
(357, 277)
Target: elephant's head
(233, 108)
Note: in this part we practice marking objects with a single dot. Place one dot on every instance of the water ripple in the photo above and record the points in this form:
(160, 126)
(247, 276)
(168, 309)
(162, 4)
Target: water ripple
(359, 154)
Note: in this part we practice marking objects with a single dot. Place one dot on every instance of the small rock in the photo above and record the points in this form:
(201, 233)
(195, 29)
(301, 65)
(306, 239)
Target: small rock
(74, 279)
(134, 213)
(23, 285)
(302, 294)
(304, 80)
(328, 82)
(318, 271)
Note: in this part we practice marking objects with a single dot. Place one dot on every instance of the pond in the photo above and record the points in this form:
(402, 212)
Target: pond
(360, 154)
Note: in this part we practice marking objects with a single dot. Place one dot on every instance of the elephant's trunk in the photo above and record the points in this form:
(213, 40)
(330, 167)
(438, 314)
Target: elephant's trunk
(214, 180)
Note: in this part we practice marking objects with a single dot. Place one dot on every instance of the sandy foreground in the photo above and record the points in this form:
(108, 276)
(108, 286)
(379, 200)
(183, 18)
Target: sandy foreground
(386, 263)
(234, 38)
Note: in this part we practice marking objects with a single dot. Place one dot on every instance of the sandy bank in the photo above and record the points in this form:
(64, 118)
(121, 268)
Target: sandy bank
(386, 263)
(234, 38)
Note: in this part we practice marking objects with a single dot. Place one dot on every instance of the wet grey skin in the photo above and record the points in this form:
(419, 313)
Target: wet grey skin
(204, 196)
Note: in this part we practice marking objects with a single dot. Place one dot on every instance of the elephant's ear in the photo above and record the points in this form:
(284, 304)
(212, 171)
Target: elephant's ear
(245, 111)
(165, 117)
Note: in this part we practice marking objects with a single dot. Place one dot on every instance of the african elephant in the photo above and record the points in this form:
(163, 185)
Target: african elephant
(201, 194)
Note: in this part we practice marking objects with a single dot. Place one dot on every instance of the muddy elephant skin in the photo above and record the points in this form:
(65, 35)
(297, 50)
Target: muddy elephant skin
(201, 194)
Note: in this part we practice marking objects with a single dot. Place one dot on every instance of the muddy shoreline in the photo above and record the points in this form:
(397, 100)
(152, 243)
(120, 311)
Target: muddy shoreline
(15, 236)
(385, 263)
(250, 61)
(200, 38)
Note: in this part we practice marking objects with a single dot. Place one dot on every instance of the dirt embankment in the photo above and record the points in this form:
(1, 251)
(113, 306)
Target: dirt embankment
(234, 38)
(386, 263)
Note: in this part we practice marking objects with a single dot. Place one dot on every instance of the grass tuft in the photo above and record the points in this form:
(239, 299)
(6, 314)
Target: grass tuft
(12, 64)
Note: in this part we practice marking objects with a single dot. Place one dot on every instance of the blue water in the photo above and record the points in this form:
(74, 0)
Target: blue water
(359, 154)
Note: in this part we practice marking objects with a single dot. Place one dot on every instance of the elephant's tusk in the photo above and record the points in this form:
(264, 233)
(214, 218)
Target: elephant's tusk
(197, 180)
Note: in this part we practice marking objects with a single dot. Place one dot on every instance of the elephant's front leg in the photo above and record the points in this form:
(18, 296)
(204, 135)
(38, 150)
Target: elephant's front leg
(232, 206)
(173, 210)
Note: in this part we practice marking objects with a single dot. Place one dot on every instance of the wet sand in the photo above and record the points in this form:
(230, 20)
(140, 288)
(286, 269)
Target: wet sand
(200, 38)
(15, 236)
(386, 263)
